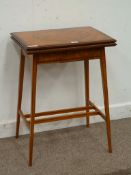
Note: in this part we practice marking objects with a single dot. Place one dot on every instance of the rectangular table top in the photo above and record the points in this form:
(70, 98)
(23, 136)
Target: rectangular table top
(61, 38)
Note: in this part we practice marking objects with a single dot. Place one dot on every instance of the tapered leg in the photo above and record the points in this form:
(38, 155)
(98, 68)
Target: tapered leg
(20, 90)
(86, 67)
(106, 100)
(33, 101)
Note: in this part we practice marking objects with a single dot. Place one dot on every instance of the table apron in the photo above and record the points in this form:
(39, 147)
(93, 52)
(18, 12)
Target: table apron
(68, 56)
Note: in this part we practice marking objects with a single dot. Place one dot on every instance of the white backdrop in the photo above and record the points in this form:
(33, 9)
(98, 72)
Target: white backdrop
(62, 85)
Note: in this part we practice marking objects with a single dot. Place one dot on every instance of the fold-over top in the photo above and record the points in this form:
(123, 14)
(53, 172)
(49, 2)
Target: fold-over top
(32, 41)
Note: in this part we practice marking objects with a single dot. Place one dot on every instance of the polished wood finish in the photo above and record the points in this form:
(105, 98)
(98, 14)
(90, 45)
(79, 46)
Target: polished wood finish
(61, 38)
(76, 114)
(70, 55)
(63, 45)
(20, 90)
(60, 111)
(106, 99)
(33, 103)
(64, 117)
(86, 68)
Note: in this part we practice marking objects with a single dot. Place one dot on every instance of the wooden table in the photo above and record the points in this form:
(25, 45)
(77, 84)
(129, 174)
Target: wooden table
(62, 45)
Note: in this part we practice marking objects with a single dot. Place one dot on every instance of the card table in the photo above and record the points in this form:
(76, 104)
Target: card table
(59, 46)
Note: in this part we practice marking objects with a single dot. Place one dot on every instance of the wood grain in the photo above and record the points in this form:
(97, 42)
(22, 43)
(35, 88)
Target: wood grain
(61, 38)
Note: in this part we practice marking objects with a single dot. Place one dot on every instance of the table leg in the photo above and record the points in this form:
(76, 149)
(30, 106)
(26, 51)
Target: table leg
(33, 102)
(106, 99)
(86, 68)
(20, 90)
